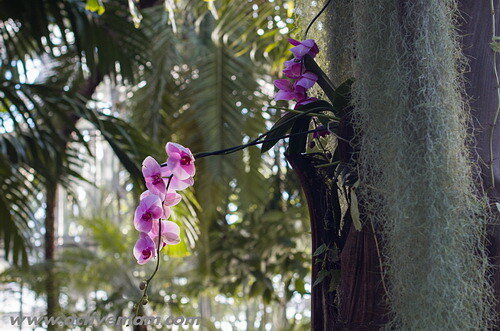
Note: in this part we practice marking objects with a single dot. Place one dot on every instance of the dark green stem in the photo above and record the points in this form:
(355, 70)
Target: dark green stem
(252, 143)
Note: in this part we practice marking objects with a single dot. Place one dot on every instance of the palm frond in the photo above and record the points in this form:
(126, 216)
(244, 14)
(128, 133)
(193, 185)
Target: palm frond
(34, 146)
(107, 44)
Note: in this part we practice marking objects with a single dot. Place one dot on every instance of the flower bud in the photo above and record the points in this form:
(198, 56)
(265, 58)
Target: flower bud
(145, 302)
(142, 285)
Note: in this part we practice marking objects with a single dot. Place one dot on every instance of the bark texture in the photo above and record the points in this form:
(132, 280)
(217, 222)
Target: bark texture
(318, 195)
(362, 305)
(357, 303)
(50, 245)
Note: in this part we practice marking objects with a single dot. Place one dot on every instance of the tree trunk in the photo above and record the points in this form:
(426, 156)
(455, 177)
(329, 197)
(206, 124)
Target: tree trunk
(357, 302)
(360, 304)
(50, 243)
(324, 311)
(51, 286)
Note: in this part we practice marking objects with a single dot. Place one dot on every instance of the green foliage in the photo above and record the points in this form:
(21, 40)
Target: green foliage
(201, 75)
(204, 91)
(207, 92)
(103, 42)
(37, 120)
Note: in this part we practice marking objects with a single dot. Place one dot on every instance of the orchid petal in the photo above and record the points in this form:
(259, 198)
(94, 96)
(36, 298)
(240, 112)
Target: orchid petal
(144, 249)
(177, 184)
(305, 102)
(293, 71)
(283, 84)
(150, 167)
(284, 95)
(166, 212)
(172, 199)
(293, 42)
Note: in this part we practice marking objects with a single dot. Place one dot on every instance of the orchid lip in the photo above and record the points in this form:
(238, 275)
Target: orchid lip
(157, 179)
(185, 160)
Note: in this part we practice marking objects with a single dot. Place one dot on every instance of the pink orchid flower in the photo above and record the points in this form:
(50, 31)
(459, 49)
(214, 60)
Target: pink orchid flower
(293, 69)
(144, 249)
(307, 80)
(302, 48)
(305, 102)
(148, 193)
(149, 210)
(166, 209)
(180, 161)
(287, 91)
(170, 233)
(172, 199)
(153, 175)
(177, 184)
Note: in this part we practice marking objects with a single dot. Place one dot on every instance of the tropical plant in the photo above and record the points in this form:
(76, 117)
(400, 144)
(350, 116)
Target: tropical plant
(199, 73)
(39, 118)
(42, 116)
(208, 88)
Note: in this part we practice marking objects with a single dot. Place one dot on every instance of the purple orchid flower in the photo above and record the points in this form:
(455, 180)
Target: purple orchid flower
(180, 161)
(170, 233)
(293, 69)
(154, 176)
(287, 90)
(306, 80)
(302, 48)
(144, 249)
(149, 210)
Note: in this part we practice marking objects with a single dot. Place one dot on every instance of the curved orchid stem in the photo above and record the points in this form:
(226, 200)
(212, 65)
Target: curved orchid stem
(316, 17)
(158, 249)
(258, 140)
(252, 143)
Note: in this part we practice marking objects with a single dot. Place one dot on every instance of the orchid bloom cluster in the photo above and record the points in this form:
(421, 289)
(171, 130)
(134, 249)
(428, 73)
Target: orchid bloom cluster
(162, 182)
(295, 70)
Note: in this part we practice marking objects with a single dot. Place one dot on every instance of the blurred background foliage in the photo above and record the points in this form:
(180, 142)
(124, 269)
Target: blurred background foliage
(87, 90)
